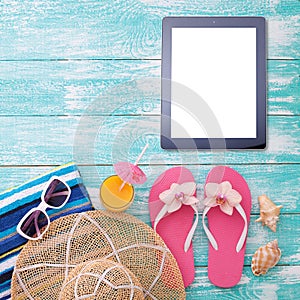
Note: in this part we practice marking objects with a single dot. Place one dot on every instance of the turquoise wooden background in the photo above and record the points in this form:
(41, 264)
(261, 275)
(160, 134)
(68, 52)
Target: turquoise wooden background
(80, 80)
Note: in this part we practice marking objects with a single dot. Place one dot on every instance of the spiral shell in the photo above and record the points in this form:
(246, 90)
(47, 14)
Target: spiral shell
(265, 257)
(269, 212)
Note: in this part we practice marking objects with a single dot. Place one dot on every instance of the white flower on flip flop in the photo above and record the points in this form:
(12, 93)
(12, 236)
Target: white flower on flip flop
(223, 195)
(178, 195)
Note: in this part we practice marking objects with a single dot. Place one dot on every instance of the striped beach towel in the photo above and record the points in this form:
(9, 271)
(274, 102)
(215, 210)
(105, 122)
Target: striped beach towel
(15, 202)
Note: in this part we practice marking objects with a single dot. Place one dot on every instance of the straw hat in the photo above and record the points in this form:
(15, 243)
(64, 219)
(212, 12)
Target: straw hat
(47, 268)
(101, 279)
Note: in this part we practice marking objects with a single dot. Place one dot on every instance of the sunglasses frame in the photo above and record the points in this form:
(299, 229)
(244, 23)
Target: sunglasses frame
(42, 208)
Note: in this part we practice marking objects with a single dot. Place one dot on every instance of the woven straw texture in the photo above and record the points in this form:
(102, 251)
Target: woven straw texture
(101, 279)
(44, 265)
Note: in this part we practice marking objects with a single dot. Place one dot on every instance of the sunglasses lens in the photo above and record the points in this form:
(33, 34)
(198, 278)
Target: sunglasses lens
(33, 225)
(56, 193)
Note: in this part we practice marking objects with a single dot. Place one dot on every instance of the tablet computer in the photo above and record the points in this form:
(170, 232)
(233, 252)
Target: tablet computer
(213, 83)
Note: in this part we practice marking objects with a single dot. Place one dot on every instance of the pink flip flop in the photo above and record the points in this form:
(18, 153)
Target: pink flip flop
(172, 207)
(228, 207)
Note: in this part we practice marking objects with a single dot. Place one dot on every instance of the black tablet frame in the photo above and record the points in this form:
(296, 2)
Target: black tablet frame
(167, 142)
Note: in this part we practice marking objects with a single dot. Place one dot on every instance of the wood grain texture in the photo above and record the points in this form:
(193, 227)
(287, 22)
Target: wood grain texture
(120, 138)
(103, 140)
(131, 86)
(261, 179)
(80, 80)
(127, 29)
(259, 236)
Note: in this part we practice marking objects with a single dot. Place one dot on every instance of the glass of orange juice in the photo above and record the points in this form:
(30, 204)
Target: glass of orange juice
(113, 198)
(116, 191)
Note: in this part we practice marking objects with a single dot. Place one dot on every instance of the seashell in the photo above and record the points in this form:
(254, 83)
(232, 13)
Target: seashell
(269, 212)
(265, 257)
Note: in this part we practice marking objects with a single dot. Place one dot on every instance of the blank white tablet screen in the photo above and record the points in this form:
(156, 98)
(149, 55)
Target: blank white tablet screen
(219, 64)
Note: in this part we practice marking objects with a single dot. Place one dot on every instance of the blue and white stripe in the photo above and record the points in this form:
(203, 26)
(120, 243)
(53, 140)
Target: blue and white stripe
(15, 202)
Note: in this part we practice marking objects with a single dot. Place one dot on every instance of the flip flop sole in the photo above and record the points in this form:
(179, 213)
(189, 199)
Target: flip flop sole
(175, 227)
(225, 265)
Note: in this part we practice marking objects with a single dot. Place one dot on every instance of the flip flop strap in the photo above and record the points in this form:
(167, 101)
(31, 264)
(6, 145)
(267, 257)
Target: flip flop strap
(211, 238)
(190, 235)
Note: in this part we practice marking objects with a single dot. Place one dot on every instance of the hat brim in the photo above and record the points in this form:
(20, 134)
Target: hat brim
(44, 265)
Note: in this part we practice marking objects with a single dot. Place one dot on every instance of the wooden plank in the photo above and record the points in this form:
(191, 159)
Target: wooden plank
(72, 86)
(130, 87)
(122, 137)
(261, 179)
(43, 85)
(283, 87)
(279, 283)
(259, 236)
(128, 29)
(99, 140)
